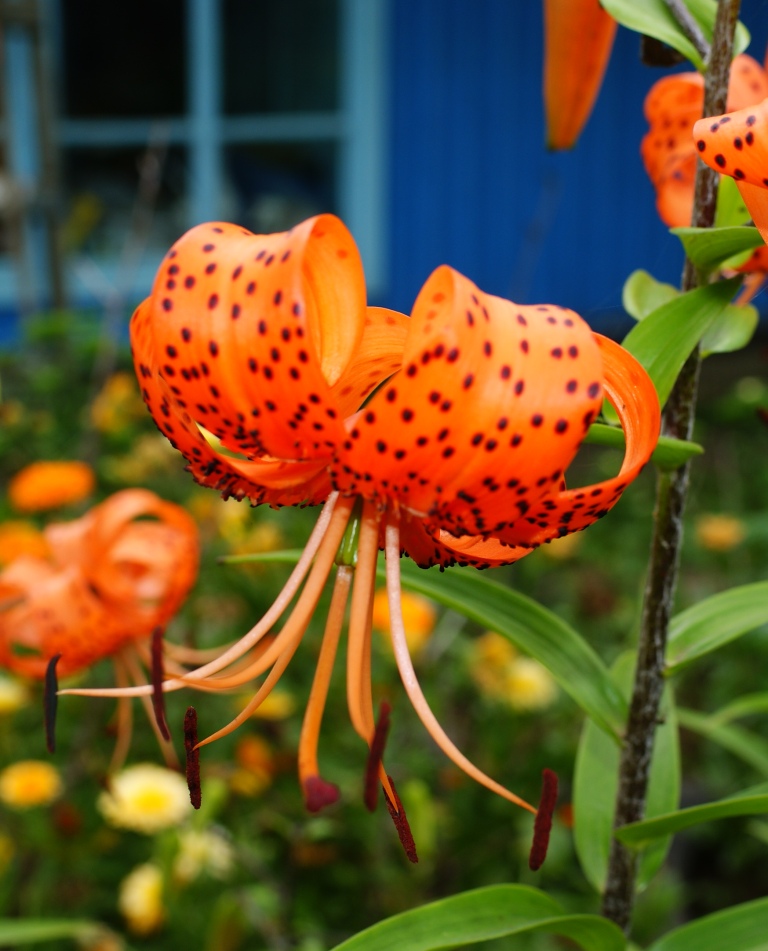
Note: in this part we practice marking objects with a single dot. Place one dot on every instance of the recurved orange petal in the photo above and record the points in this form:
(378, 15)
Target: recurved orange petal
(578, 38)
(491, 405)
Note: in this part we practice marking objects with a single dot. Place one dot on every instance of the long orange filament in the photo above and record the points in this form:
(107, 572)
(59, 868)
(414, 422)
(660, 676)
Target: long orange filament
(124, 719)
(410, 682)
(331, 514)
(285, 644)
(358, 647)
(313, 715)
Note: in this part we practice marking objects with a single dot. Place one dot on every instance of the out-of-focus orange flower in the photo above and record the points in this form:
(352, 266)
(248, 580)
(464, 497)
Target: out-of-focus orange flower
(47, 485)
(29, 783)
(719, 532)
(578, 39)
(113, 576)
(419, 616)
(255, 766)
(668, 150)
(21, 538)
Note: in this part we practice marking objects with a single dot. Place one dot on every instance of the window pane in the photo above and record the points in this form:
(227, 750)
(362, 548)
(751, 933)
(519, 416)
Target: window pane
(101, 189)
(280, 57)
(272, 187)
(123, 59)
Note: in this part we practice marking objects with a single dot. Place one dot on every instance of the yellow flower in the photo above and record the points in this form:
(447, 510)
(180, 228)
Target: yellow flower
(502, 675)
(118, 404)
(719, 532)
(50, 484)
(146, 798)
(419, 616)
(140, 899)
(202, 851)
(21, 538)
(29, 783)
(13, 695)
(279, 705)
(530, 686)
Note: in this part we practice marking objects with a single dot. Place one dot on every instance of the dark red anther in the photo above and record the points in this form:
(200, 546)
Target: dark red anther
(51, 702)
(318, 793)
(542, 826)
(375, 753)
(158, 676)
(400, 820)
(193, 757)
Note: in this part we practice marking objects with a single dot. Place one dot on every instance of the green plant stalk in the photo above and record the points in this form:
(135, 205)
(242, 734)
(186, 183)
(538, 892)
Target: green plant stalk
(671, 495)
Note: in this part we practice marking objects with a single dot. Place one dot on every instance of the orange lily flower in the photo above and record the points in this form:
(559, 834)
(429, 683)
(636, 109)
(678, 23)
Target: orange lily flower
(672, 107)
(736, 145)
(443, 436)
(578, 39)
(111, 578)
(50, 484)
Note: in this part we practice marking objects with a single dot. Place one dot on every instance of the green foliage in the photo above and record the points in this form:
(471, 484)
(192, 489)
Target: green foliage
(654, 18)
(711, 248)
(481, 915)
(595, 785)
(742, 928)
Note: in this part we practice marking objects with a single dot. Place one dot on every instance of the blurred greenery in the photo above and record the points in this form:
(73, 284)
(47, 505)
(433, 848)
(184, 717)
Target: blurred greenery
(307, 882)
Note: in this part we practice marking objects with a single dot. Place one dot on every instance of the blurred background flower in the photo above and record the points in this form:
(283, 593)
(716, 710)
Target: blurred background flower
(202, 852)
(419, 617)
(719, 532)
(29, 783)
(505, 676)
(140, 899)
(50, 484)
(145, 798)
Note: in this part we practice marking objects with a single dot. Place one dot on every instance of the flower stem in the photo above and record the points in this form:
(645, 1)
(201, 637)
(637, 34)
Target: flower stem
(671, 495)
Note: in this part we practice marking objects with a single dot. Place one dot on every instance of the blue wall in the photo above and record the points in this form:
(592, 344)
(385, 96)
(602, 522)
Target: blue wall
(473, 185)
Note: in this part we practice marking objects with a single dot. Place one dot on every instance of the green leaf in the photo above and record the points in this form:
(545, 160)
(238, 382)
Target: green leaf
(742, 928)
(669, 453)
(747, 746)
(532, 628)
(596, 780)
(745, 706)
(33, 930)
(654, 18)
(715, 621)
(731, 209)
(732, 330)
(480, 915)
(709, 248)
(749, 802)
(663, 341)
(642, 294)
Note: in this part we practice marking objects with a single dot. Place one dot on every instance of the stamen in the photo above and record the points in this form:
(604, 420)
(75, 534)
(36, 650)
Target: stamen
(411, 683)
(318, 792)
(543, 823)
(124, 718)
(193, 757)
(130, 658)
(50, 702)
(247, 641)
(158, 675)
(359, 699)
(396, 810)
(375, 754)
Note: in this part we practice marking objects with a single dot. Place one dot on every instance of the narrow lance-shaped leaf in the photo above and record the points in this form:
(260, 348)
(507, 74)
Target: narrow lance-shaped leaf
(716, 621)
(654, 18)
(747, 746)
(669, 453)
(483, 914)
(664, 340)
(709, 248)
(749, 802)
(596, 780)
(742, 928)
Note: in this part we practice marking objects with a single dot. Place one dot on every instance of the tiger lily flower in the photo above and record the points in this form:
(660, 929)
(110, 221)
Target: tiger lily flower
(108, 580)
(444, 436)
(578, 39)
(736, 145)
(672, 107)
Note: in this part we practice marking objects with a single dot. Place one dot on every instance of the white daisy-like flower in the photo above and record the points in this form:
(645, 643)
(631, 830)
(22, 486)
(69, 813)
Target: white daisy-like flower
(140, 899)
(146, 798)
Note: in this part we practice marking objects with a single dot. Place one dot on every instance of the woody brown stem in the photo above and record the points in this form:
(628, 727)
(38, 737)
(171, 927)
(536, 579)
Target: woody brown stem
(671, 494)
